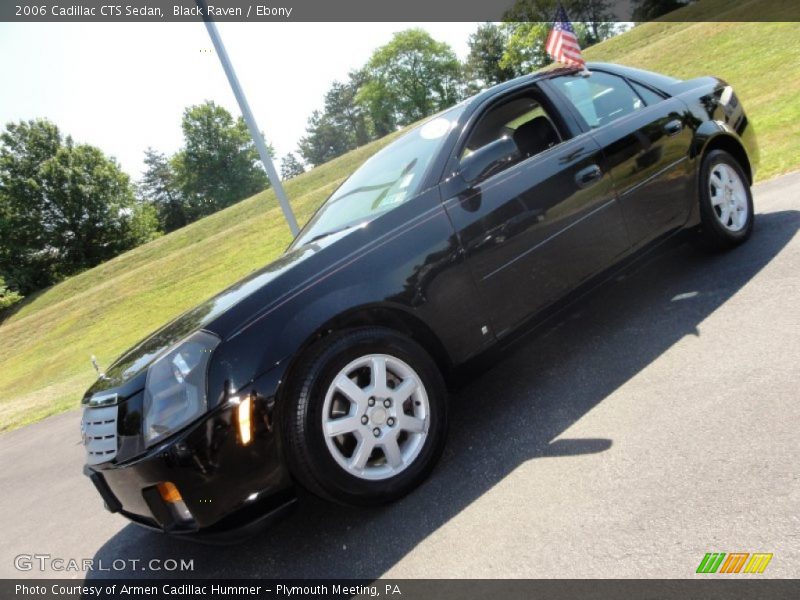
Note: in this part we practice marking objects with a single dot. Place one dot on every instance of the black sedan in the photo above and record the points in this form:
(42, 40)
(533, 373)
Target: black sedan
(328, 368)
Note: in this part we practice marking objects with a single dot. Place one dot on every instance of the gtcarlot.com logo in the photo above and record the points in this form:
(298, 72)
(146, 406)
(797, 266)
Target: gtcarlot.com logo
(47, 562)
(734, 562)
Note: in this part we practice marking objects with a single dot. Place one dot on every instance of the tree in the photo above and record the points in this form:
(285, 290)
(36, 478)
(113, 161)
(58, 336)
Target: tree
(647, 10)
(584, 11)
(7, 296)
(341, 126)
(597, 19)
(409, 78)
(291, 167)
(529, 23)
(525, 50)
(218, 164)
(323, 140)
(345, 113)
(64, 207)
(486, 48)
(159, 188)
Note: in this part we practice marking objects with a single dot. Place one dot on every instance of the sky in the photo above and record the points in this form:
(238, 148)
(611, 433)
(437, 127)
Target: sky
(122, 86)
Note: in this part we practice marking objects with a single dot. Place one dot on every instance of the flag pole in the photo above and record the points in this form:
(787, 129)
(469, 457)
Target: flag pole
(261, 145)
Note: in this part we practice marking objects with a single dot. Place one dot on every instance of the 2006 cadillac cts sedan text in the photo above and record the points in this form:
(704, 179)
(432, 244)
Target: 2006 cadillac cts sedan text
(326, 369)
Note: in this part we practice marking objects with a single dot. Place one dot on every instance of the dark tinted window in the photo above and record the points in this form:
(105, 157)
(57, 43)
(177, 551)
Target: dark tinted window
(600, 98)
(523, 120)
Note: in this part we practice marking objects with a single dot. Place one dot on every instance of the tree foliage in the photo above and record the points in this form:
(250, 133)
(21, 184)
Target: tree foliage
(340, 126)
(585, 11)
(218, 164)
(528, 24)
(291, 167)
(647, 10)
(409, 78)
(405, 80)
(159, 187)
(525, 49)
(8, 296)
(345, 113)
(64, 207)
(324, 140)
(482, 69)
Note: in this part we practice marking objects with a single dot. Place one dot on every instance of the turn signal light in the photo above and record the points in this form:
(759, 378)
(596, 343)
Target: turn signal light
(244, 414)
(169, 493)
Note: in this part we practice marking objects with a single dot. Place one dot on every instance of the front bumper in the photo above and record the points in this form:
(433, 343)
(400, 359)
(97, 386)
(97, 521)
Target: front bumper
(229, 489)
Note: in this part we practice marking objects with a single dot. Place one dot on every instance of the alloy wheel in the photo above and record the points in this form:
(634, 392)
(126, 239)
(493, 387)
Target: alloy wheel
(728, 197)
(375, 417)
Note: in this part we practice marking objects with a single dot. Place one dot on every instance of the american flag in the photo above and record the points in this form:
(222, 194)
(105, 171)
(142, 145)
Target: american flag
(562, 43)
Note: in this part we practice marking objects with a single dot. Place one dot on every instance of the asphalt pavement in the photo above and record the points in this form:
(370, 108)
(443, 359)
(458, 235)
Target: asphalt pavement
(656, 421)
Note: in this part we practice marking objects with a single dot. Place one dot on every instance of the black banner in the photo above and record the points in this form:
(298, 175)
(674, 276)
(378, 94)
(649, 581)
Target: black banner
(369, 10)
(407, 589)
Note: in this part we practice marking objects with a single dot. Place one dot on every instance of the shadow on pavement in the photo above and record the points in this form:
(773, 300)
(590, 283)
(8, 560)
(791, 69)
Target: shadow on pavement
(510, 414)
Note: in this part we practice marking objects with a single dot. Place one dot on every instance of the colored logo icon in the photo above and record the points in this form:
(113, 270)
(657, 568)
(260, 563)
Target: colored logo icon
(735, 562)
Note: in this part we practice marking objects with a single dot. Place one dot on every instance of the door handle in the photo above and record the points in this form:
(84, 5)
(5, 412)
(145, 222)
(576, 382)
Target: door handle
(588, 176)
(673, 127)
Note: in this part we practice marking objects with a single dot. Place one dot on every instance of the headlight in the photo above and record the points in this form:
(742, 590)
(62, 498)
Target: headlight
(175, 392)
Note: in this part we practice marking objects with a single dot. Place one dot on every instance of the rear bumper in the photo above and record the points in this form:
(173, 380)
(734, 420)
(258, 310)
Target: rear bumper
(230, 489)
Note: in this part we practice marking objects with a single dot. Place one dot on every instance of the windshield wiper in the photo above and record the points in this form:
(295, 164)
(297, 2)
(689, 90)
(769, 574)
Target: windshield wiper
(377, 186)
(329, 233)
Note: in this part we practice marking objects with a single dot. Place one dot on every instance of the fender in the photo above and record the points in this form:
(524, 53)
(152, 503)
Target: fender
(268, 385)
(719, 112)
(718, 133)
(426, 280)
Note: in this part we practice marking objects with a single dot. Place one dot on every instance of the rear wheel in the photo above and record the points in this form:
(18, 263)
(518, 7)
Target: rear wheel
(366, 419)
(726, 202)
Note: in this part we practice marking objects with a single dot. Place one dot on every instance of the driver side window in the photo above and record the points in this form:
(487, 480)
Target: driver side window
(507, 134)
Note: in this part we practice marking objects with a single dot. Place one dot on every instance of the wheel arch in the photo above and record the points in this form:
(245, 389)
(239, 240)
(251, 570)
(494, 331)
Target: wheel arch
(378, 315)
(722, 139)
(710, 136)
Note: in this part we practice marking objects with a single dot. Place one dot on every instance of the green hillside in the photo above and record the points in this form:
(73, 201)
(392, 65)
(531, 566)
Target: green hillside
(45, 346)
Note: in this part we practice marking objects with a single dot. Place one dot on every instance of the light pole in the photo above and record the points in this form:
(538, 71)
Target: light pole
(261, 145)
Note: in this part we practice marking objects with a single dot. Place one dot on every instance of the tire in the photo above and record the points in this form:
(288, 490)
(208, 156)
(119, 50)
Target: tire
(726, 202)
(329, 461)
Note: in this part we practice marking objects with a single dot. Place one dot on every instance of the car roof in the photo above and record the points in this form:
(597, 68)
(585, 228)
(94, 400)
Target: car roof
(656, 80)
(520, 81)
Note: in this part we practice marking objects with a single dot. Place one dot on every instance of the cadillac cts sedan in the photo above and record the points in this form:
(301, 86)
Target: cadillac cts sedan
(328, 368)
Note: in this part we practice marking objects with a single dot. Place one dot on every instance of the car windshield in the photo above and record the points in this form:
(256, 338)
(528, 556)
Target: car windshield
(386, 180)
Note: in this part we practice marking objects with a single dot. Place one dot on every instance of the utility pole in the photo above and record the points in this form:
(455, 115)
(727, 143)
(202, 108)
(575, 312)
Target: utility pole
(261, 145)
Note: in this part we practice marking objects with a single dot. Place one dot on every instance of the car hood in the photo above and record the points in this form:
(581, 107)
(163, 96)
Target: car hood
(128, 372)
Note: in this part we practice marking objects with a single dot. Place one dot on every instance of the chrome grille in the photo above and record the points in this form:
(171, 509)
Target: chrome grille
(99, 431)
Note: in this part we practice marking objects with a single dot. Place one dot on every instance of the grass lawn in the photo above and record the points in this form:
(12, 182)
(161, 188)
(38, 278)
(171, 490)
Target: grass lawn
(45, 346)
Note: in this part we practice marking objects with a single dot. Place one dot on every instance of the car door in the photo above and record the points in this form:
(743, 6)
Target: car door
(542, 219)
(645, 139)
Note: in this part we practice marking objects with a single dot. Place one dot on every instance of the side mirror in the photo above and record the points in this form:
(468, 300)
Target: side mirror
(489, 159)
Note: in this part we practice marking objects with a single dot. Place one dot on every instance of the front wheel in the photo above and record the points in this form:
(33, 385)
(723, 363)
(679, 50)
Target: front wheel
(726, 202)
(366, 417)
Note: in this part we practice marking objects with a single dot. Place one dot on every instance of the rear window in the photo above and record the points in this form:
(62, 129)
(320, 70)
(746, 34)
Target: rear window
(600, 97)
(648, 95)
